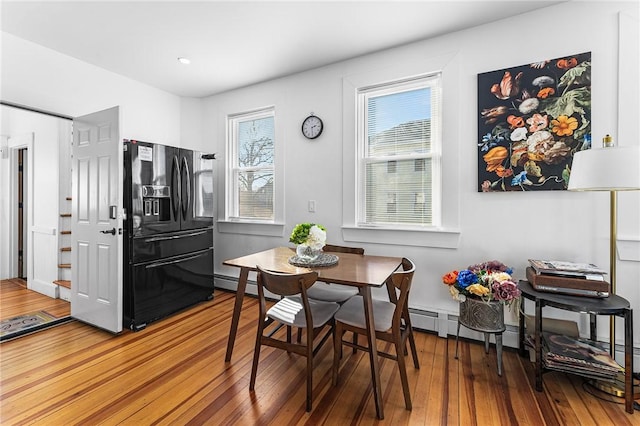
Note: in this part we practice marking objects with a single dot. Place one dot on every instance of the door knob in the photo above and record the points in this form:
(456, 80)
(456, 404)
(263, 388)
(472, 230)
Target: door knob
(110, 231)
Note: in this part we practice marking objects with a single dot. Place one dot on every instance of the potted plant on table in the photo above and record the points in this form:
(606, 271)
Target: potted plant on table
(309, 238)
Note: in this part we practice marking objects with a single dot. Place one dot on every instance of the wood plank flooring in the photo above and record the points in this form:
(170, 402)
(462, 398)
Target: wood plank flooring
(173, 373)
(16, 300)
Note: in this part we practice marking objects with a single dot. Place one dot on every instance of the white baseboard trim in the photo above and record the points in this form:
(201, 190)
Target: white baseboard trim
(46, 288)
(441, 323)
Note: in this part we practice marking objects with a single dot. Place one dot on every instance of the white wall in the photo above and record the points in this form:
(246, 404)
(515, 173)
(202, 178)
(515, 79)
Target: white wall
(42, 78)
(511, 227)
(191, 125)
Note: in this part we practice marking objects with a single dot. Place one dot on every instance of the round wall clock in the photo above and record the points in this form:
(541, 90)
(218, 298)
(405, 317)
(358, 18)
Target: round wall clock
(312, 127)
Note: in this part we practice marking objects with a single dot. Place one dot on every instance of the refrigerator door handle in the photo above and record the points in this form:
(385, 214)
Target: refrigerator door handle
(174, 261)
(175, 187)
(186, 200)
(174, 237)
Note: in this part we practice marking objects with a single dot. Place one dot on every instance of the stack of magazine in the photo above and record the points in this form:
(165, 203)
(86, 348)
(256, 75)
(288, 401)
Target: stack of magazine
(587, 271)
(578, 356)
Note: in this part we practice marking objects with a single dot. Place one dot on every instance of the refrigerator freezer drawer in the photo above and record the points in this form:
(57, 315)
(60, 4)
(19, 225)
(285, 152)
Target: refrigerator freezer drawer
(159, 246)
(162, 287)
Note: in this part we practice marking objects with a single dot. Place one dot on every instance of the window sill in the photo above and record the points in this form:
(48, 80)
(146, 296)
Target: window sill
(251, 228)
(439, 238)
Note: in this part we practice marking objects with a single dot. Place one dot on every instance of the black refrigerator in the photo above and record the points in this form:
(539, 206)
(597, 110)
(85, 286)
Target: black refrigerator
(168, 231)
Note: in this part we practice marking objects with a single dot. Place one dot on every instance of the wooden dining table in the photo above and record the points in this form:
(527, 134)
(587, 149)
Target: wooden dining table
(362, 271)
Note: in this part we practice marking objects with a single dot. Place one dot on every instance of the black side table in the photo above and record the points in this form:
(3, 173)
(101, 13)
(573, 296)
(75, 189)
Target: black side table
(612, 305)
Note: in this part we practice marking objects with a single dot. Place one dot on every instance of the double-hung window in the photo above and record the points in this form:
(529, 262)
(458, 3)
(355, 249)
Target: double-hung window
(398, 131)
(251, 175)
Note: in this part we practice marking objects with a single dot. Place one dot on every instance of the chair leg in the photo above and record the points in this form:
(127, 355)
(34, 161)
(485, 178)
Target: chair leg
(486, 343)
(400, 345)
(256, 356)
(355, 342)
(414, 351)
(310, 335)
(337, 352)
(412, 341)
(499, 350)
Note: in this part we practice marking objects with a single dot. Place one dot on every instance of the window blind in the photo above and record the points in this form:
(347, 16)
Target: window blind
(397, 134)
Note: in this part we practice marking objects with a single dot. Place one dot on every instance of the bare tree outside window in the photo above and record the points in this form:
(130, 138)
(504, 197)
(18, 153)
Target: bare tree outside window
(254, 171)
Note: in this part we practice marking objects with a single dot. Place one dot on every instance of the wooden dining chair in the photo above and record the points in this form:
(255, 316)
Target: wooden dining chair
(329, 292)
(392, 292)
(391, 321)
(293, 310)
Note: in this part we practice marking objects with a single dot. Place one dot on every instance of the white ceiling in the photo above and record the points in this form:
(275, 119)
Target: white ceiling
(233, 44)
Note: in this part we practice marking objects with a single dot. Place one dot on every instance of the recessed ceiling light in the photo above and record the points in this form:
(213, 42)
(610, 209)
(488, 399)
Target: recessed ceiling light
(184, 61)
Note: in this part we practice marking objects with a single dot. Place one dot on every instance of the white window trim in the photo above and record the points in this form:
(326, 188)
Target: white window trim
(232, 171)
(447, 233)
(270, 227)
(363, 94)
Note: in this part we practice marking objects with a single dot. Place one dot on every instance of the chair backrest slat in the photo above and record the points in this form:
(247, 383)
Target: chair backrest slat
(284, 284)
(401, 280)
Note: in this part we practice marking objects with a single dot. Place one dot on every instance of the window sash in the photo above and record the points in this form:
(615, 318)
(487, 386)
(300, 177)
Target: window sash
(258, 203)
(407, 168)
(393, 198)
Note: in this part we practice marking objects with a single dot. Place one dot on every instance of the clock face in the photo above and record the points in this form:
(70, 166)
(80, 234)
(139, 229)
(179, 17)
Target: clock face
(312, 127)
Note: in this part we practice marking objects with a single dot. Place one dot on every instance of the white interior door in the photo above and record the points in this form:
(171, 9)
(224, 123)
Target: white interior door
(96, 229)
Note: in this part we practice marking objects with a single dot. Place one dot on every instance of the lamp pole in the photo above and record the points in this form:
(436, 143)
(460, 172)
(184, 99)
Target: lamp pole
(607, 143)
(612, 266)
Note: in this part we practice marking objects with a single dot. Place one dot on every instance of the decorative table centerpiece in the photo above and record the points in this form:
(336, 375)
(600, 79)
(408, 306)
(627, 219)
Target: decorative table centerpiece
(309, 238)
(483, 290)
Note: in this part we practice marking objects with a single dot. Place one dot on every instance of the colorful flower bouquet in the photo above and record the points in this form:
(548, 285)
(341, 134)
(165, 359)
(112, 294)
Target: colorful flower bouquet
(489, 281)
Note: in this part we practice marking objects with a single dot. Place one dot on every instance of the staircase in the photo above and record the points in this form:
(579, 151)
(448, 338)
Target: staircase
(64, 221)
(64, 256)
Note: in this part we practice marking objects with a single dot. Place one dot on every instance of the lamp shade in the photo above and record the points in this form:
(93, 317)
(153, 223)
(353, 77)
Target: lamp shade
(606, 169)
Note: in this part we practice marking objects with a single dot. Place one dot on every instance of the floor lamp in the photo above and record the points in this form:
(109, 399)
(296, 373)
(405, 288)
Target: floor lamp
(610, 168)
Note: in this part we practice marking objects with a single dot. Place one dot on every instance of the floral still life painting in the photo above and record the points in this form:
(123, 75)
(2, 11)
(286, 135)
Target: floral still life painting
(531, 120)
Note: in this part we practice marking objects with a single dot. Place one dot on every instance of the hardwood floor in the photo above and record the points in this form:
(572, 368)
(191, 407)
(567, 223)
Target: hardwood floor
(173, 372)
(16, 300)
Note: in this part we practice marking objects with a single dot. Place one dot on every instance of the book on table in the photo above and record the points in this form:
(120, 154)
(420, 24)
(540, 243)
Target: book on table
(567, 285)
(587, 271)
